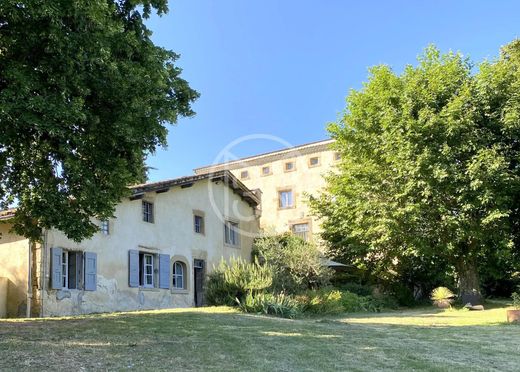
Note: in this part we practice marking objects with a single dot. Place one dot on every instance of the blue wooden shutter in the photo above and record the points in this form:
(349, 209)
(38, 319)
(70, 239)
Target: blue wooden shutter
(90, 271)
(56, 274)
(133, 268)
(164, 271)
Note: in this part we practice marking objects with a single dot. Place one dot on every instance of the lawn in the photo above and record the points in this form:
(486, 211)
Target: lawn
(223, 339)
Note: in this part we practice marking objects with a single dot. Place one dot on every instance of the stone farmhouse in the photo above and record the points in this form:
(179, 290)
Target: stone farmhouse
(285, 179)
(154, 253)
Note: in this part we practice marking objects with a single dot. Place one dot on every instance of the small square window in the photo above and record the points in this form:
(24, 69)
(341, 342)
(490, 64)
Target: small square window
(266, 171)
(244, 175)
(289, 166)
(148, 212)
(285, 199)
(314, 161)
(198, 224)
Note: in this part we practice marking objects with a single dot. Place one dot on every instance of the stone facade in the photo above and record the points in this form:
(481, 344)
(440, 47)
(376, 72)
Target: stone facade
(153, 247)
(294, 174)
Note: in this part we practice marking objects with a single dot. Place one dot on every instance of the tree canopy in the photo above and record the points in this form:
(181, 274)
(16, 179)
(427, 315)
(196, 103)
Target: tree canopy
(85, 95)
(430, 167)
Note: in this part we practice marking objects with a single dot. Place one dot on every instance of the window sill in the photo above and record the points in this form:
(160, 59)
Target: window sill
(180, 291)
(144, 289)
(284, 208)
(232, 246)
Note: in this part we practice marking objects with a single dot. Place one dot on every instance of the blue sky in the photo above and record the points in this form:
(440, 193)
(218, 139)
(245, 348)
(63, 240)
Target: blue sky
(284, 67)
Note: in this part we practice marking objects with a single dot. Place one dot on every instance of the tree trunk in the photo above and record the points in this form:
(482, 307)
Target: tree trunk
(469, 282)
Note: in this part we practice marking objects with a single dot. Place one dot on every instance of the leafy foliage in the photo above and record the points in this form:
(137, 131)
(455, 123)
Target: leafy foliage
(297, 264)
(280, 304)
(516, 300)
(234, 280)
(84, 97)
(322, 301)
(429, 177)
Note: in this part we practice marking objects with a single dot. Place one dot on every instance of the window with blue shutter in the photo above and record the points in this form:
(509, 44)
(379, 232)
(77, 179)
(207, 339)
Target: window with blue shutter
(90, 271)
(164, 271)
(133, 268)
(56, 268)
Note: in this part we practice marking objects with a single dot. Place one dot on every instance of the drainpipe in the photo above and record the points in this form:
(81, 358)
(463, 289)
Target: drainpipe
(43, 262)
(29, 281)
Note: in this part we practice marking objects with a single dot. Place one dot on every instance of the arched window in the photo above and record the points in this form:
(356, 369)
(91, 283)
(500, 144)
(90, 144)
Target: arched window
(179, 271)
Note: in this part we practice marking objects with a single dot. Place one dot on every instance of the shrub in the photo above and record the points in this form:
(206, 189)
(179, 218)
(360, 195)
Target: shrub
(280, 304)
(297, 264)
(323, 301)
(359, 289)
(442, 297)
(233, 280)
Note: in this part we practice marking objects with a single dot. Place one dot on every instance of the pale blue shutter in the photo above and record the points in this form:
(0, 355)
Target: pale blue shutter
(133, 268)
(164, 271)
(90, 271)
(56, 274)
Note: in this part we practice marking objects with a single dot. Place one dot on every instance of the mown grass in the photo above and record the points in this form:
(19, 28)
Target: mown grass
(223, 339)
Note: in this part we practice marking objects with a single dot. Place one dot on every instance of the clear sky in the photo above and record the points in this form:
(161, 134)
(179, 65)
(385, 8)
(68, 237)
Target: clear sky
(284, 67)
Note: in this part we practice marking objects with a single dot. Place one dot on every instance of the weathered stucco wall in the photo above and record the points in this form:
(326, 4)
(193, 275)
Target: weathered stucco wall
(304, 179)
(3, 297)
(14, 253)
(171, 233)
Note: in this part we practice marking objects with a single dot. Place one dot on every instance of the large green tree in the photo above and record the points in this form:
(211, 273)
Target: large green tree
(85, 95)
(429, 169)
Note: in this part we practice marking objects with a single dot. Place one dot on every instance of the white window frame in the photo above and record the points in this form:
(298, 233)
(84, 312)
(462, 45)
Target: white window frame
(105, 227)
(287, 202)
(231, 235)
(65, 269)
(176, 275)
(145, 275)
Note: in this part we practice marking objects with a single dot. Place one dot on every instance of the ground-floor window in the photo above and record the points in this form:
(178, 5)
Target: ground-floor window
(179, 275)
(146, 272)
(73, 269)
(301, 230)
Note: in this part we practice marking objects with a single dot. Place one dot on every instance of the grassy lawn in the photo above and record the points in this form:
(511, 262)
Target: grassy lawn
(222, 339)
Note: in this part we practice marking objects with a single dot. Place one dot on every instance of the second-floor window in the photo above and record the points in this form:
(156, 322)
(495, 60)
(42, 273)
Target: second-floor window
(266, 171)
(198, 224)
(148, 212)
(285, 199)
(231, 233)
(105, 227)
(244, 175)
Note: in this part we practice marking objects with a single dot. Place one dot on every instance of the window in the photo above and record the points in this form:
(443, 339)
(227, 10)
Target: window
(179, 270)
(289, 166)
(71, 270)
(337, 156)
(285, 199)
(146, 269)
(266, 171)
(244, 175)
(301, 230)
(314, 161)
(198, 224)
(105, 227)
(147, 212)
(231, 233)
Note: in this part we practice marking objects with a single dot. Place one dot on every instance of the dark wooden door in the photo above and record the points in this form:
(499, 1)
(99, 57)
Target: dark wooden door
(198, 275)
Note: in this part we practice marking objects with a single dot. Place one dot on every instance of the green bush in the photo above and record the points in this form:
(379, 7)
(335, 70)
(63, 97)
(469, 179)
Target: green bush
(322, 301)
(280, 304)
(516, 300)
(297, 264)
(359, 289)
(234, 280)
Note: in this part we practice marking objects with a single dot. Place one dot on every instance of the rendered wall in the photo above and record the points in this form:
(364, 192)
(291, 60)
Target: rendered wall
(172, 233)
(13, 267)
(302, 180)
